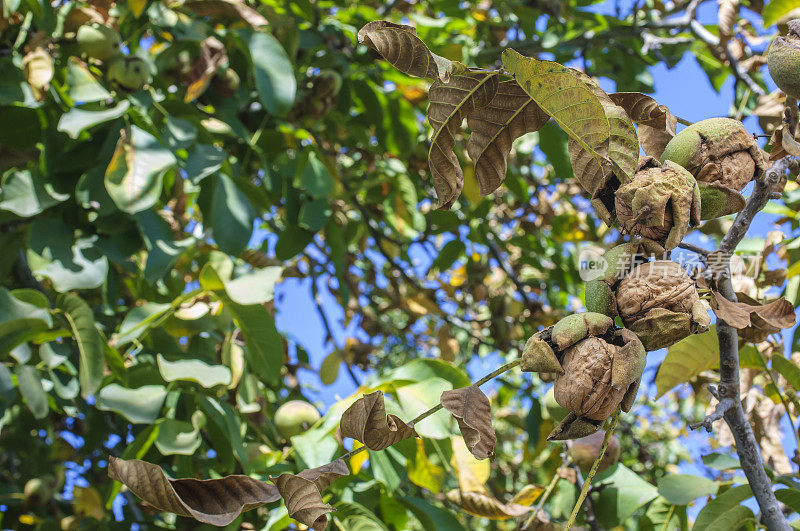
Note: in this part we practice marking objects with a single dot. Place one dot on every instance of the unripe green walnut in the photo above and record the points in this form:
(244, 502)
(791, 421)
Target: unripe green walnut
(717, 151)
(783, 60)
(295, 417)
(584, 451)
(556, 411)
(129, 73)
(98, 41)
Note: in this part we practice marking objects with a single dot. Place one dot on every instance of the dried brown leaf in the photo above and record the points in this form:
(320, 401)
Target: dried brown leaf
(510, 114)
(473, 412)
(228, 8)
(770, 318)
(450, 104)
(727, 12)
(367, 422)
(486, 506)
(399, 45)
(212, 56)
(212, 501)
(302, 493)
(642, 109)
(654, 140)
(789, 144)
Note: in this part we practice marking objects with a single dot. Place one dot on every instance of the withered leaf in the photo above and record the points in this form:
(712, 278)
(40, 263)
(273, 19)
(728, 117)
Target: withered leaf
(789, 144)
(654, 140)
(770, 318)
(367, 422)
(302, 493)
(450, 103)
(211, 501)
(473, 412)
(228, 8)
(212, 56)
(642, 109)
(486, 506)
(563, 95)
(510, 114)
(399, 45)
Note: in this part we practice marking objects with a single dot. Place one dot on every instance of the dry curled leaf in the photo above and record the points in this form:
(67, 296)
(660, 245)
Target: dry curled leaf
(228, 8)
(494, 127)
(302, 493)
(642, 109)
(654, 140)
(756, 320)
(561, 93)
(367, 422)
(450, 104)
(212, 56)
(473, 412)
(399, 45)
(211, 501)
(486, 506)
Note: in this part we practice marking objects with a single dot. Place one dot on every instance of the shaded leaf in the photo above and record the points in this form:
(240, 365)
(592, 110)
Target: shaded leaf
(399, 46)
(686, 359)
(623, 492)
(788, 370)
(473, 412)
(653, 140)
(302, 493)
(30, 386)
(450, 104)
(90, 344)
(134, 176)
(274, 72)
(212, 501)
(494, 127)
(724, 512)
(212, 56)
(642, 109)
(486, 506)
(681, 489)
(367, 422)
(790, 497)
(228, 8)
(561, 94)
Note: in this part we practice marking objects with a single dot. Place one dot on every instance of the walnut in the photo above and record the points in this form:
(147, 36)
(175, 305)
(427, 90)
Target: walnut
(598, 368)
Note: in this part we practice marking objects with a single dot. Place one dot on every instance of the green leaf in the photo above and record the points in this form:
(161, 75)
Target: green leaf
(776, 10)
(724, 512)
(90, 345)
(423, 473)
(562, 95)
(254, 288)
(790, 497)
(194, 371)
(329, 370)
(27, 196)
(162, 250)
(686, 359)
(77, 119)
(315, 447)
(274, 72)
(721, 461)
(82, 85)
(230, 216)
(264, 343)
(622, 494)
(681, 489)
(52, 254)
(661, 515)
(138, 321)
(431, 516)
(316, 178)
(291, 241)
(452, 251)
(422, 369)
(177, 437)
(179, 133)
(30, 386)
(139, 406)
(419, 397)
(134, 176)
(788, 370)
(204, 160)
(554, 144)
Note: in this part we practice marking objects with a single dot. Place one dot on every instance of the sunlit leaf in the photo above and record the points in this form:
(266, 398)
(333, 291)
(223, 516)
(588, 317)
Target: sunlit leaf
(80, 317)
(140, 406)
(686, 359)
(724, 512)
(681, 489)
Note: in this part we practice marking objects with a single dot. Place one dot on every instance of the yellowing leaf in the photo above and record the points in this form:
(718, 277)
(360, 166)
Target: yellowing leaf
(425, 474)
(358, 460)
(686, 359)
(87, 501)
(459, 276)
(472, 473)
(480, 504)
(528, 494)
(137, 7)
(561, 94)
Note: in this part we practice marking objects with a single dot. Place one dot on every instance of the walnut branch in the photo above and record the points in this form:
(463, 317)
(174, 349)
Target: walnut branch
(730, 406)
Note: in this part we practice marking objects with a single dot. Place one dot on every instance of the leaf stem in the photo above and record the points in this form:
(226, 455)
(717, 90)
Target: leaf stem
(588, 481)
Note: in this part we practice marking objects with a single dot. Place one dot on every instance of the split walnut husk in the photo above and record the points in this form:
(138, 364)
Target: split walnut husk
(660, 204)
(598, 369)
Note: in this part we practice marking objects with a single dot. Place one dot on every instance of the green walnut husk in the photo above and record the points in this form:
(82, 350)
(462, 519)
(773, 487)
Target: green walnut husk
(129, 73)
(598, 369)
(718, 151)
(295, 417)
(659, 302)
(98, 41)
(783, 60)
(660, 204)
